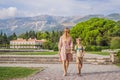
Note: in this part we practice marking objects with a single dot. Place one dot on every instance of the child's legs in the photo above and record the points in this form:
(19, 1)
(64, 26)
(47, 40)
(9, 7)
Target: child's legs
(79, 64)
(78, 69)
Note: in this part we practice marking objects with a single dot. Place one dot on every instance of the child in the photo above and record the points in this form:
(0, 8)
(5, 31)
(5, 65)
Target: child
(79, 55)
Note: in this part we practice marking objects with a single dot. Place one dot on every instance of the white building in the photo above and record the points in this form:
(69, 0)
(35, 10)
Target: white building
(23, 43)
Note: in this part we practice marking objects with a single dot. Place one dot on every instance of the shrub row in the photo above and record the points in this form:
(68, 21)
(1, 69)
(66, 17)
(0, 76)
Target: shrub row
(95, 48)
(118, 55)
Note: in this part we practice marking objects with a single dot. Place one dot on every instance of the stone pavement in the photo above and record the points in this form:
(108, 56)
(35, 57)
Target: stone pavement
(89, 72)
(55, 71)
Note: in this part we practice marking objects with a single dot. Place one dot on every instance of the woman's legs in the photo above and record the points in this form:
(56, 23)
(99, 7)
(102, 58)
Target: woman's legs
(67, 65)
(64, 68)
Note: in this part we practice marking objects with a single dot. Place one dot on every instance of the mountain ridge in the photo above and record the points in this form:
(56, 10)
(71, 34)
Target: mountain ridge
(46, 22)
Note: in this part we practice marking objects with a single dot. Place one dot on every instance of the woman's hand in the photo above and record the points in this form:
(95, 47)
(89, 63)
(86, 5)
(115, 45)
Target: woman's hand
(58, 52)
(72, 52)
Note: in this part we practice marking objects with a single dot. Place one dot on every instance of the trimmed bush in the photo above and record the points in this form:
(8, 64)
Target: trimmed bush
(96, 48)
(118, 55)
(115, 43)
(55, 47)
(93, 48)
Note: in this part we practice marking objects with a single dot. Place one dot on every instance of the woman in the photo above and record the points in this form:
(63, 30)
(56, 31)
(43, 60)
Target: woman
(65, 49)
(79, 55)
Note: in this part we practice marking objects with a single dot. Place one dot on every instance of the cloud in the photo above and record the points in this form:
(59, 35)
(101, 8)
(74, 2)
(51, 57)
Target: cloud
(57, 7)
(105, 7)
(8, 12)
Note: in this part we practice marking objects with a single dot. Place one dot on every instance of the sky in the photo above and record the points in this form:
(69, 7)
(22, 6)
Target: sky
(29, 8)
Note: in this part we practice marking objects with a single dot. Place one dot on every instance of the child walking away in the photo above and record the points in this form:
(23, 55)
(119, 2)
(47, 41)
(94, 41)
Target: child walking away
(79, 55)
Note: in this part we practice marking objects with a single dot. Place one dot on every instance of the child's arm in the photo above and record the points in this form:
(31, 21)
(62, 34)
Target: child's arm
(83, 50)
(75, 48)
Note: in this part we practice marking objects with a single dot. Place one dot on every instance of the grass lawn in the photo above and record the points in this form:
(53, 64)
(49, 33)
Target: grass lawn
(28, 53)
(99, 53)
(7, 73)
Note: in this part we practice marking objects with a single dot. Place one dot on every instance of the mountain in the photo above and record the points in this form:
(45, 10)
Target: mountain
(37, 23)
(114, 16)
(45, 22)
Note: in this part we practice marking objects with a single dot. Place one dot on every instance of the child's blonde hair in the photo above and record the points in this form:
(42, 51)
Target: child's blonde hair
(78, 39)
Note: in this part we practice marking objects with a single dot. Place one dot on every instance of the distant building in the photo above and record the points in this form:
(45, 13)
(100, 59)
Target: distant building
(23, 43)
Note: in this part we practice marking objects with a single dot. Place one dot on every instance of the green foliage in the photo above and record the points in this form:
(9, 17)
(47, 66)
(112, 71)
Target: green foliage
(93, 48)
(95, 31)
(4, 40)
(99, 53)
(115, 43)
(13, 37)
(47, 45)
(55, 48)
(7, 73)
(117, 30)
(27, 35)
(50, 45)
(118, 55)
(51, 37)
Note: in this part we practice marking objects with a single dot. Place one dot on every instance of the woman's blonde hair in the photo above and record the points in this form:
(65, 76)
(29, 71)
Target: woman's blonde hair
(66, 33)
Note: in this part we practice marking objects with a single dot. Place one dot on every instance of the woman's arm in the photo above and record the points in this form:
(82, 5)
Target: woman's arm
(71, 45)
(60, 44)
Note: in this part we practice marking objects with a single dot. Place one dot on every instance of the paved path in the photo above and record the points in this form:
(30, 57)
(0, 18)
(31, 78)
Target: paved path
(89, 72)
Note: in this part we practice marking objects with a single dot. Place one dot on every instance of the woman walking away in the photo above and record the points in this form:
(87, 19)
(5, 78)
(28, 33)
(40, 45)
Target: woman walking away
(65, 49)
(79, 55)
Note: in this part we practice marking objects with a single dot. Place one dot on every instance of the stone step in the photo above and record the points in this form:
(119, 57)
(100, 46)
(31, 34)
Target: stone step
(31, 62)
(28, 62)
(51, 60)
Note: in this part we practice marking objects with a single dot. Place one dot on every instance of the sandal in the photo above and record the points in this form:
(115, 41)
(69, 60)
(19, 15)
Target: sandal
(64, 74)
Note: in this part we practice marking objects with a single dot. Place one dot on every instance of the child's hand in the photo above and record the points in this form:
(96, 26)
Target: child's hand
(72, 51)
(83, 55)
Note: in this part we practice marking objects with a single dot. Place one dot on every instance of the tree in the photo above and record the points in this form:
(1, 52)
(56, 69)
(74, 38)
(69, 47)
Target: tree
(3, 40)
(47, 45)
(38, 35)
(13, 37)
(31, 34)
(95, 31)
